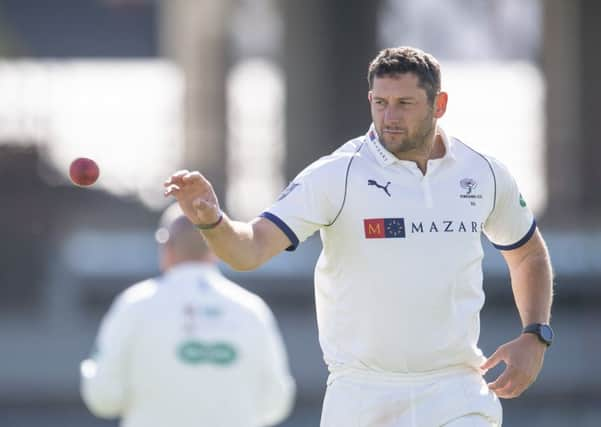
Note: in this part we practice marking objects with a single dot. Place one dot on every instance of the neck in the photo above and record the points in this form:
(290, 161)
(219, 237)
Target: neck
(169, 262)
(433, 148)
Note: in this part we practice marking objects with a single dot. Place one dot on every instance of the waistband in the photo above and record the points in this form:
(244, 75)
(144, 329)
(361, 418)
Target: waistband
(368, 375)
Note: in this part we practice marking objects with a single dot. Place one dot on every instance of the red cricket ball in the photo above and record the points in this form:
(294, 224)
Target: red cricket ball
(84, 171)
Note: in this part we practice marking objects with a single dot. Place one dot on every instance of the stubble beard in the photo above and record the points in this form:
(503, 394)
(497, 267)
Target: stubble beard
(418, 141)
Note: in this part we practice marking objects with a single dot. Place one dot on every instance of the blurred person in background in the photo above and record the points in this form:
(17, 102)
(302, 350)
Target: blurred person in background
(189, 348)
(398, 287)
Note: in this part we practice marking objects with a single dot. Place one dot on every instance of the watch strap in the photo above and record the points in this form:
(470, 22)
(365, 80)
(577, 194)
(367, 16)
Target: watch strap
(210, 226)
(535, 328)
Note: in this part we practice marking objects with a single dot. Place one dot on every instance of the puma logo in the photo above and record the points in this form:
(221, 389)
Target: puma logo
(383, 187)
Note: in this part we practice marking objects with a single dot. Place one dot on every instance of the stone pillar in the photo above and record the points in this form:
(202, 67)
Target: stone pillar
(194, 35)
(327, 48)
(572, 67)
(590, 108)
(562, 68)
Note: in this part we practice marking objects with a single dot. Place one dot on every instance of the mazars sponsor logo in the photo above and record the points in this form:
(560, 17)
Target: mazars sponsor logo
(402, 227)
(444, 226)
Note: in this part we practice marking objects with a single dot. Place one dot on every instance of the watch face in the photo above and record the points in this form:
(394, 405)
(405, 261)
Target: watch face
(546, 333)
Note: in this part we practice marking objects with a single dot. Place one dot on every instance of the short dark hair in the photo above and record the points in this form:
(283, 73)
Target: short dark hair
(176, 230)
(401, 60)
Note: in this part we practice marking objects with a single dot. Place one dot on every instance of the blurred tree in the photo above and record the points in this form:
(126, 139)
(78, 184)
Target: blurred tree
(9, 43)
(81, 28)
(571, 66)
(24, 227)
(193, 35)
(327, 48)
(590, 89)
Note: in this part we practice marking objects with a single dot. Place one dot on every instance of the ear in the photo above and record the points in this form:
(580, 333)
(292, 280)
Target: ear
(370, 96)
(440, 104)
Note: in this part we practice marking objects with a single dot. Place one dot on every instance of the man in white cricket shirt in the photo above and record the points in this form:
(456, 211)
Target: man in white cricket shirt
(399, 290)
(189, 348)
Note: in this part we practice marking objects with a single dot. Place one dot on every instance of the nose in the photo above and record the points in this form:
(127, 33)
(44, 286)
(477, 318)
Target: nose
(391, 114)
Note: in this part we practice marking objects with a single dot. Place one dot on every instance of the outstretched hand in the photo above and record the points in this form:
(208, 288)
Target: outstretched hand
(523, 358)
(195, 196)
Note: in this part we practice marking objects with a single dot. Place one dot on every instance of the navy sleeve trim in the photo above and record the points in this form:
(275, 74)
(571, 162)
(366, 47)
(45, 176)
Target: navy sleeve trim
(520, 242)
(284, 227)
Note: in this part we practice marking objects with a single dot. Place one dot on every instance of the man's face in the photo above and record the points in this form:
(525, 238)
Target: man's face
(402, 114)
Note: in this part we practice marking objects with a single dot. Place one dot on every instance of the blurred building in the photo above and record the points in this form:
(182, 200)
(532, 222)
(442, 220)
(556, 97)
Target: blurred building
(211, 84)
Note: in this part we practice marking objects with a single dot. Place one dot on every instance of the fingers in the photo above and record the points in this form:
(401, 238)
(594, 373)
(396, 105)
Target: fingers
(183, 179)
(193, 177)
(512, 381)
(171, 190)
(501, 382)
(503, 386)
(493, 360)
(176, 178)
(523, 358)
(185, 175)
(510, 384)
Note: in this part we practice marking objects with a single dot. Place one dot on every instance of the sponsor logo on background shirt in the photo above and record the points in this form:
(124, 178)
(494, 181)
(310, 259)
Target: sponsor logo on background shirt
(194, 352)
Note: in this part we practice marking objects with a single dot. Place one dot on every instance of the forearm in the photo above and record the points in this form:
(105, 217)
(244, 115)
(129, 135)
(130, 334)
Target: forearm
(244, 246)
(236, 243)
(531, 281)
(532, 285)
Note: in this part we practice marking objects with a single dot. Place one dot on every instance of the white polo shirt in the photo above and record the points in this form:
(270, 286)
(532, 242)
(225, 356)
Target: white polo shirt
(398, 284)
(189, 349)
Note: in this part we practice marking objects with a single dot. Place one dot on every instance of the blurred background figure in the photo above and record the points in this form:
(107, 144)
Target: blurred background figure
(188, 348)
(249, 92)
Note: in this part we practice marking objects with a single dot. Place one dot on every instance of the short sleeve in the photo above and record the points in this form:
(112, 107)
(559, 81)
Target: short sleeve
(311, 201)
(511, 222)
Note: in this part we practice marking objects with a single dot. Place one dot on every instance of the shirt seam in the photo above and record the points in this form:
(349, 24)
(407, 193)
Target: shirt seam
(494, 177)
(348, 168)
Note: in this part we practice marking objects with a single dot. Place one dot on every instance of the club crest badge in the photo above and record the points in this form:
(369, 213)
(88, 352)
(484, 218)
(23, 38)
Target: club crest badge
(468, 184)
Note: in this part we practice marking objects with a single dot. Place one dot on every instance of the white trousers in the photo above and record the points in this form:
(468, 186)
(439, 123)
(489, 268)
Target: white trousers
(453, 398)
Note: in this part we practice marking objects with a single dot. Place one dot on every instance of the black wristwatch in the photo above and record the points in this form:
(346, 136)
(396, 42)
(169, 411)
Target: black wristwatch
(542, 331)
